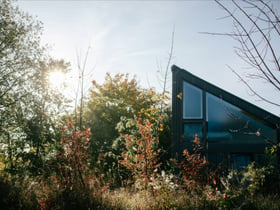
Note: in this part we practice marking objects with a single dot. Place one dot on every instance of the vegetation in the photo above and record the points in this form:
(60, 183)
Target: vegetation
(116, 156)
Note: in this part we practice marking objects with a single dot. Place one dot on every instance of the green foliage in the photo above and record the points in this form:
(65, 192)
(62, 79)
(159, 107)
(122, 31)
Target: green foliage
(19, 52)
(28, 105)
(243, 189)
(111, 110)
(118, 96)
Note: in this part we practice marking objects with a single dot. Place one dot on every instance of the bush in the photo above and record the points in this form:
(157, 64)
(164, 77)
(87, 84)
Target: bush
(192, 167)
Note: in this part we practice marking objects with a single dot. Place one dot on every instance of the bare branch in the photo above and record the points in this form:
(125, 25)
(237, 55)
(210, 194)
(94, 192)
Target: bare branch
(255, 42)
(169, 60)
(80, 89)
(277, 19)
(166, 72)
(255, 48)
(251, 89)
(223, 34)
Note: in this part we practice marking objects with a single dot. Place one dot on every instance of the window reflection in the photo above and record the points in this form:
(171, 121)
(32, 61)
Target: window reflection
(192, 102)
(227, 122)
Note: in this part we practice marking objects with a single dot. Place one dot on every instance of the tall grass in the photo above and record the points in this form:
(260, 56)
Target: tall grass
(43, 194)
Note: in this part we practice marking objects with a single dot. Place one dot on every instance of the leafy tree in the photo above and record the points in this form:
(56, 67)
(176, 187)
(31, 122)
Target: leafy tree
(45, 105)
(117, 97)
(110, 108)
(19, 53)
(27, 103)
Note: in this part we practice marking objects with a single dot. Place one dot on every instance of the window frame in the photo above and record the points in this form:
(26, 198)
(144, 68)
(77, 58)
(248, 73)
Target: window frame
(201, 120)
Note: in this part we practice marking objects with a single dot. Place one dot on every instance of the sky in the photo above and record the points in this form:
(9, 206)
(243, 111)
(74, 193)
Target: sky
(135, 37)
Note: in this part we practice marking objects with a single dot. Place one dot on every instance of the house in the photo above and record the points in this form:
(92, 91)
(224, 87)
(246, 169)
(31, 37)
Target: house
(232, 131)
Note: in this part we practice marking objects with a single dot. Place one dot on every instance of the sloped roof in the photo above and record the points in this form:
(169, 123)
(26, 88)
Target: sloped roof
(269, 118)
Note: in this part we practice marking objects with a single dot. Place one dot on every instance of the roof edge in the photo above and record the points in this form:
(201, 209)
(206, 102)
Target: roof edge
(227, 96)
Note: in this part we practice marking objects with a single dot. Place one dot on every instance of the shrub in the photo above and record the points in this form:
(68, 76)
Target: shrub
(141, 154)
(69, 186)
(192, 167)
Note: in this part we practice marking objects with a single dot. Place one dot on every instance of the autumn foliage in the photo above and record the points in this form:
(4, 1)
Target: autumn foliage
(141, 155)
(192, 166)
(73, 158)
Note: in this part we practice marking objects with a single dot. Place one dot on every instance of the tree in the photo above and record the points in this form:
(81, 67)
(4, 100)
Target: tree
(27, 103)
(117, 97)
(257, 32)
(165, 73)
(43, 107)
(110, 108)
(84, 77)
(19, 53)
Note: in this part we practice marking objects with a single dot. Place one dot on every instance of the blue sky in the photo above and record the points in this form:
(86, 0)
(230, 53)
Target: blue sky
(135, 36)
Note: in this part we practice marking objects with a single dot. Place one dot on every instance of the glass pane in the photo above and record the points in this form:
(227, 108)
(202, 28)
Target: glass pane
(240, 161)
(227, 122)
(192, 102)
(190, 130)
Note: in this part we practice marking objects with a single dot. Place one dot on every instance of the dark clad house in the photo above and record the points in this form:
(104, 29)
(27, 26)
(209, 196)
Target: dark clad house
(233, 132)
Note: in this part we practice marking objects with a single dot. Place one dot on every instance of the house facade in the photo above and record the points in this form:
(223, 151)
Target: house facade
(232, 131)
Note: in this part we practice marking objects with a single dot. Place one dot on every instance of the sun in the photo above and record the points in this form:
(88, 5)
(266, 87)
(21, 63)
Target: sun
(56, 79)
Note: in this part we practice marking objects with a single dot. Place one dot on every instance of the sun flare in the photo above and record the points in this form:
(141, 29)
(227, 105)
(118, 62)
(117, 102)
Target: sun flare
(56, 79)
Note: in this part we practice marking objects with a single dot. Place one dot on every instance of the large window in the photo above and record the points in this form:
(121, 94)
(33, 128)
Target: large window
(227, 122)
(192, 102)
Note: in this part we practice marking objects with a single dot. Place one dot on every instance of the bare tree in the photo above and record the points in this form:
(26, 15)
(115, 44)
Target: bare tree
(257, 32)
(164, 74)
(84, 77)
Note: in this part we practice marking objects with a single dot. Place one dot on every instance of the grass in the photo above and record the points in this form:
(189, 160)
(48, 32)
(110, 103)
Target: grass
(127, 198)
